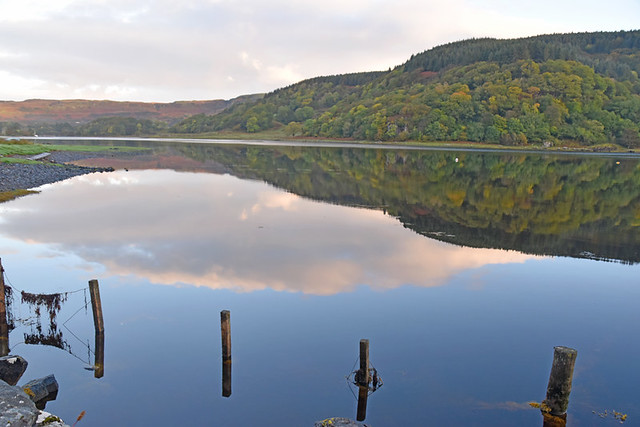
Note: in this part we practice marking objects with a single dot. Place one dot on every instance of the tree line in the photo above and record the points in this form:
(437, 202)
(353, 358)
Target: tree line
(547, 89)
(104, 126)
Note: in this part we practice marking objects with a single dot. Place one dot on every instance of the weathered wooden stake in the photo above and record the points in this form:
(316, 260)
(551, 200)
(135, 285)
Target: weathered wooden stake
(362, 380)
(225, 328)
(362, 377)
(363, 395)
(96, 306)
(559, 388)
(4, 328)
(99, 362)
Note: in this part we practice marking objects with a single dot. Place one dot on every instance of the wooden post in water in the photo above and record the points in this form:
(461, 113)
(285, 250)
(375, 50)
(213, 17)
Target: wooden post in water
(362, 380)
(4, 327)
(362, 377)
(96, 306)
(559, 388)
(225, 329)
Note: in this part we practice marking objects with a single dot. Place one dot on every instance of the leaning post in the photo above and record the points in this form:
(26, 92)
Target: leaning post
(4, 327)
(96, 306)
(559, 388)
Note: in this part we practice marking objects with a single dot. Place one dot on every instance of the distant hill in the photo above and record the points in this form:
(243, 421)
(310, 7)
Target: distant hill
(550, 89)
(82, 111)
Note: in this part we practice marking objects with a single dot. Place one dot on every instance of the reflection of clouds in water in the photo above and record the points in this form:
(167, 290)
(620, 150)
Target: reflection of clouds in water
(222, 232)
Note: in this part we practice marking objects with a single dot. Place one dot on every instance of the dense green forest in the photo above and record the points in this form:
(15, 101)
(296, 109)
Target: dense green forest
(587, 206)
(104, 126)
(564, 88)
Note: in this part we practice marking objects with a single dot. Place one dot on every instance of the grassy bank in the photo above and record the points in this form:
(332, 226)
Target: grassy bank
(10, 148)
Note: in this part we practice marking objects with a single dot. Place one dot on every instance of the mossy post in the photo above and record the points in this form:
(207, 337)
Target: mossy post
(4, 327)
(96, 306)
(225, 328)
(559, 388)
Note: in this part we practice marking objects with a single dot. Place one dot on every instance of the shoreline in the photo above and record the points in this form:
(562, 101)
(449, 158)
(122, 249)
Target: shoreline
(257, 139)
(58, 166)
(21, 176)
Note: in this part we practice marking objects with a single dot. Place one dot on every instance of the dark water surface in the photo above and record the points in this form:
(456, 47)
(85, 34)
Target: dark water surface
(463, 269)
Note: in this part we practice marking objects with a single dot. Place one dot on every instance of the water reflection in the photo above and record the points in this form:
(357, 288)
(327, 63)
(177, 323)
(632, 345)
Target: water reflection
(222, 232)
(582, 206)
(36, 316)
(98, 364)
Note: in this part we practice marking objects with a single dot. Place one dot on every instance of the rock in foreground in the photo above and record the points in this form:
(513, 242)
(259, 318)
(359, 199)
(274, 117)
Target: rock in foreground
(16, 409)
(12, 368)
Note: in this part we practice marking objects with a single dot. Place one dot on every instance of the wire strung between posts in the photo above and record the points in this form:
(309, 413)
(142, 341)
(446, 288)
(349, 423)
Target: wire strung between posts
(370, 390)
(6, 278)
(348, 378)
(31, 320)
(74, 335)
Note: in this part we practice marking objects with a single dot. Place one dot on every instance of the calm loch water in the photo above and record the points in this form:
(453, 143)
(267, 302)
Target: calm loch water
(463, 269)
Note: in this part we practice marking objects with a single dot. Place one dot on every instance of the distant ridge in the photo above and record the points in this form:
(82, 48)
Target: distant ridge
(82, 111)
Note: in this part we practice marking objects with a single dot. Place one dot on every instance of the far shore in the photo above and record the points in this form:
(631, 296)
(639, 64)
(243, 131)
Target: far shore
(269, 138)
(18, 174)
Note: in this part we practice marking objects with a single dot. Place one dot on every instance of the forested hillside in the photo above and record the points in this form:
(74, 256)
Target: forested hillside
(549, 89)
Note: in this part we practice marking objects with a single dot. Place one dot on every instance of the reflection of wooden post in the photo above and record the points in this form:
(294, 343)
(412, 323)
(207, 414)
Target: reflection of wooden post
(363, 395)
(549, 420)
(99, 362)
(225, 329)
(559, 387)
(362, 377)
(226, 379)
(4, 328)
(96, 306)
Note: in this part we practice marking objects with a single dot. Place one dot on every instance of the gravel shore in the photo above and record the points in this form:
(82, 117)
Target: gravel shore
(16, 176)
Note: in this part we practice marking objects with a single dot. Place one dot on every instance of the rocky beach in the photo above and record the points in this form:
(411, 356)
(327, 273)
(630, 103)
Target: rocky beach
(19, 176)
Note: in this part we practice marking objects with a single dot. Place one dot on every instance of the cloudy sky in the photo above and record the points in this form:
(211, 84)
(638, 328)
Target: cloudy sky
(167, 50)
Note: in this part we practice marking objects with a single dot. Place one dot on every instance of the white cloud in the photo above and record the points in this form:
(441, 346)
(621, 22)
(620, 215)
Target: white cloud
(166, 50)
(30, 10)
(259, 238)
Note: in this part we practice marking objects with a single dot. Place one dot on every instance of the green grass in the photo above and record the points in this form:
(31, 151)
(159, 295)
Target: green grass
(19, 160)
(27, 148)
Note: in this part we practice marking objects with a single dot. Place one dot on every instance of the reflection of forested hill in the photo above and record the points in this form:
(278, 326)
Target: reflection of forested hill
(581, 206)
